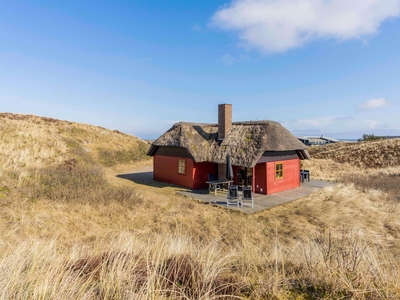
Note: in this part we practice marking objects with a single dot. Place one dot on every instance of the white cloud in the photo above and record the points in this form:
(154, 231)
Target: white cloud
(343, 119)
(229, 60)
(317, 123)
(327, 125)
(373, 104)
(197, 28)
(373, 124)
(279, 25)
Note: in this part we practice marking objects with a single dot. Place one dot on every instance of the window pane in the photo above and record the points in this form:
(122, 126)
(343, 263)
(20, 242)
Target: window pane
(279, 170)
(181, 166)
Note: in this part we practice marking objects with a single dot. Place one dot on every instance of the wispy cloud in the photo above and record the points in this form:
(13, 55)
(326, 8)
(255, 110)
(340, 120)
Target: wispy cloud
(229, 59)
(372, 124)
(279, 25)
(197, 28)
(317, 123)
(346, 118)
(333, 124)
(373, 104)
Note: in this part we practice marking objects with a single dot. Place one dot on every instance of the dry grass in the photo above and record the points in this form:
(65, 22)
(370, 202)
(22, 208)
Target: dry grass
(72, 230)
(368, 165)
(370, 154)
(174, 266)
(34, 142)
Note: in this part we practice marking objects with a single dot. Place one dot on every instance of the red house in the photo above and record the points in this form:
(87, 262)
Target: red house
(264, 154)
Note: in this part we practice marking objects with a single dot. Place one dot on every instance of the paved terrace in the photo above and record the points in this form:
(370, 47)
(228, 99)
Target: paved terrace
(261, 202)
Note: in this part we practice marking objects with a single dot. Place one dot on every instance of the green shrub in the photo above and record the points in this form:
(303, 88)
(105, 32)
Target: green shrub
(370, 137)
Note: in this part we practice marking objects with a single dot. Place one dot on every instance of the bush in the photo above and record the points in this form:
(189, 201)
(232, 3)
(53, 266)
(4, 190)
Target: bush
(370, 137)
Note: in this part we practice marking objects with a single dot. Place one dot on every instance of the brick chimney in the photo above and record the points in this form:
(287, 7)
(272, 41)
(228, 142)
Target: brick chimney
(224, 120)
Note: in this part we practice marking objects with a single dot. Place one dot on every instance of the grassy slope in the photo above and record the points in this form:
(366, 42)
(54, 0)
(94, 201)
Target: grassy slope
(278, 252)
(374, 154)
(30, 148)
(31, 141)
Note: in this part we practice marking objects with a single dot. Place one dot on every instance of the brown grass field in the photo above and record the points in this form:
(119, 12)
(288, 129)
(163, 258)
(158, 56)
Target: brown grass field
(71, 229)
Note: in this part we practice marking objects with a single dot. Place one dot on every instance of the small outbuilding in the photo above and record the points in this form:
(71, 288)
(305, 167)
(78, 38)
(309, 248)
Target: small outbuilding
(264, 154)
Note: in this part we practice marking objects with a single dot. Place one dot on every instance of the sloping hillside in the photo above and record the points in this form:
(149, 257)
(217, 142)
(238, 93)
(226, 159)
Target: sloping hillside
(71, 229)
(30, 141)
(374, 154)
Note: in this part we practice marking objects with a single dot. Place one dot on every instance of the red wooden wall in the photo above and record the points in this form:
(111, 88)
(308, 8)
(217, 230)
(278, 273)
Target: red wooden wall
(195, 177)
(265, 176)
(200, 172)
(291, 176)
(166, 170)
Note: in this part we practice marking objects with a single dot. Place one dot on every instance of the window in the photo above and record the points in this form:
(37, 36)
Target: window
(278, 170)
(181, 166)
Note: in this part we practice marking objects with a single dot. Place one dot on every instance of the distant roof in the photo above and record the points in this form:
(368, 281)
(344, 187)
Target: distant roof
(318, 138)
(246, 142)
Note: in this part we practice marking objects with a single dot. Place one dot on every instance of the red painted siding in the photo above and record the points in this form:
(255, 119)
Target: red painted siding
(195, 177)
(291, 176)
(260, 184)
(166, 170)
(200, 172)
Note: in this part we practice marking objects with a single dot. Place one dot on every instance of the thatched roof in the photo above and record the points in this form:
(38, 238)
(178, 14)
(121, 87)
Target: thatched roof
(246, 142)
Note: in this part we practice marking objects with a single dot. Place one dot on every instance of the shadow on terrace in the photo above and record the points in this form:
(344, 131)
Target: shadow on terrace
(143, 178)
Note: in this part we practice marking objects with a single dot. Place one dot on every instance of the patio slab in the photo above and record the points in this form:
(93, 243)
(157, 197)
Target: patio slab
(261, 202)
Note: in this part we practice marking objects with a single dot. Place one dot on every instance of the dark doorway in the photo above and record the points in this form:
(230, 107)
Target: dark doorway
(245, 176)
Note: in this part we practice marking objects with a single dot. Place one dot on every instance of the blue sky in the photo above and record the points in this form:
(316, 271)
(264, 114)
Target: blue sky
(327, 67)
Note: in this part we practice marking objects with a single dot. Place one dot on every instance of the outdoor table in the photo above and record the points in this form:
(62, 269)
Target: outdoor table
(213, 184)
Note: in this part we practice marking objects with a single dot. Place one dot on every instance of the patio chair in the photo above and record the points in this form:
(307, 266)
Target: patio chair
(304, 175)
(233, 196)
(247, 196)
